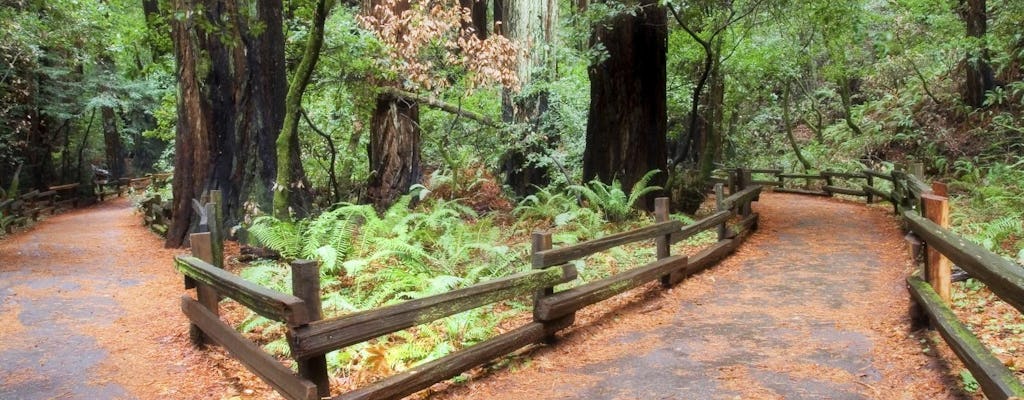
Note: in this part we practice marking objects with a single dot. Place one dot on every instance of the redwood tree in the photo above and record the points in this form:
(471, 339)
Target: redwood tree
(231, 86)
(627, 121)
(979, 76)
(528, 22)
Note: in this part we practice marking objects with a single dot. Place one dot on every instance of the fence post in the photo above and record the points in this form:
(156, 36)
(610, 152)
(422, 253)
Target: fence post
(745, 178)
(541, 241)
(206, 295)
(828, 182)
(720, 206)
(216, 223)
(306, 286)
(938, 268)
(871, 183)
(664, 250)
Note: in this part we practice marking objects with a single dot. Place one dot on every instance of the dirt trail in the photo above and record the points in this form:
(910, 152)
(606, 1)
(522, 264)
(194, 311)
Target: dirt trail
(88, 310)
(812, 306)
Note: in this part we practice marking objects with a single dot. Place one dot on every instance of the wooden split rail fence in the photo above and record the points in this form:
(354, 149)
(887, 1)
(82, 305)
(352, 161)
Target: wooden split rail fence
(19, 211)
(924, 210)
(310, 336)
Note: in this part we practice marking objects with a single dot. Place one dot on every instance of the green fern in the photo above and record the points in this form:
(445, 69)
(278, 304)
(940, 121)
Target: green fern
(611, 200)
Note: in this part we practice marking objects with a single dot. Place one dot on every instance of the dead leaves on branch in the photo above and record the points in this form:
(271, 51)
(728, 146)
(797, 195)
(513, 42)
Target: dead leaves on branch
(424, 37)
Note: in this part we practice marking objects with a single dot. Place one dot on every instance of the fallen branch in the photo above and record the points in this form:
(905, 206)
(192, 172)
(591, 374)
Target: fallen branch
(440, 105)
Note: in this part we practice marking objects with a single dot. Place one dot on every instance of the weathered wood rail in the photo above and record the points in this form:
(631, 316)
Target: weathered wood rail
(19, 211)
(310, 337)
(924, 210)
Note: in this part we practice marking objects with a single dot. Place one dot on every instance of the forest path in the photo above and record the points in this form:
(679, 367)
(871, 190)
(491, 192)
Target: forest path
(812, 306)
(88, 310)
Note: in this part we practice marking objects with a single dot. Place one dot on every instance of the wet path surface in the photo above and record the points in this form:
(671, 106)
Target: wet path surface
(87, 310)
(812, 306)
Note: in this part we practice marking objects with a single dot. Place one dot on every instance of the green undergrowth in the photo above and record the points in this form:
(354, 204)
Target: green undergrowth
(370, 260)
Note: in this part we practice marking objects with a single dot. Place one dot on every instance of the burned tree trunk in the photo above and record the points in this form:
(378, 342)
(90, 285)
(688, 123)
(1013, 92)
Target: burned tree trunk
(628, 118)
(394, 150)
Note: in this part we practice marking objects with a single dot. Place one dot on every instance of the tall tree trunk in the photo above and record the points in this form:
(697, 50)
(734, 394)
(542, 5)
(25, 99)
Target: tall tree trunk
(291, 189)
(788, 122)
(529, 23)
(231, 85)
(979, 75)
(112, 142)
(846, 98)
(478, 17)
(394, 150)
(627, 120)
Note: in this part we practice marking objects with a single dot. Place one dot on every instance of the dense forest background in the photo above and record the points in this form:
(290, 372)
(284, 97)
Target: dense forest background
(408, 145)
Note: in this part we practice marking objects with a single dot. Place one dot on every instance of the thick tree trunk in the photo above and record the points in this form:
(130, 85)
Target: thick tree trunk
(231, 85)
(394, 150)
(478, 17)
(627, 120)
(112, 141)
(979, 75)
(529, 22)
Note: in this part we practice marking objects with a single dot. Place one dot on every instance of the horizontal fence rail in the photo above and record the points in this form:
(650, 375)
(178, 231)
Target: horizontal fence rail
(911, 197)
(330, 334)
(310, 337)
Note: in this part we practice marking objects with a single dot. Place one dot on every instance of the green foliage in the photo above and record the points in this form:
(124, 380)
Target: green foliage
(969, 383)
(611, 200)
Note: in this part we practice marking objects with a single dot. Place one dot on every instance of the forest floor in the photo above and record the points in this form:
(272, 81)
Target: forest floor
(89, 310)
(813, 305)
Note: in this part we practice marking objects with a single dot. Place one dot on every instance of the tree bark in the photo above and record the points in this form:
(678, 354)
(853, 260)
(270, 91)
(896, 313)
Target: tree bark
(292, 188)
(627, 121)
(529, 23)
(788, 122)
(979, 75)
(478, 17)
(112, 141)
(394, 150)
(231, 85)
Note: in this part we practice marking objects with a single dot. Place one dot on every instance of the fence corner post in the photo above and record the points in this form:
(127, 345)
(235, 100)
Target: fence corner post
(871, 183)
(938, 268)
(306, 286)
(540, 241)
(720, 206)
(202, 248)
(661, 211)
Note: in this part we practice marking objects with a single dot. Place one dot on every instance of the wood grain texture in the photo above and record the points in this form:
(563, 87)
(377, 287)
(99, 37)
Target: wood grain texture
(701, 225)
(803, 176)
(268, 303)
(997, 381)
(423, 376)
(321, 337)
(938, 270)
(742, 197)
(566, 302)
(248, 353)
(705, 259)
(562, 255)
(1002, 276)
(846, 191)
(846, 175)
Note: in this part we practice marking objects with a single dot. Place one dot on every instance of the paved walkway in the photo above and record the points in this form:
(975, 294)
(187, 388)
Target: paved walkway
(813, 306)
(88, 311)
